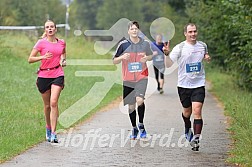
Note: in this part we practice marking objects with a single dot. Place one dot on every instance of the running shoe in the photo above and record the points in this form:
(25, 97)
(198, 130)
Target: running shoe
(143, 133)
(195, 144)
(54, 138)
(48, 134)
(134, 134)
(161, 91)
(188, 134)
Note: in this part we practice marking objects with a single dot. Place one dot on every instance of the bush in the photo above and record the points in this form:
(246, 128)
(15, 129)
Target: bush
(226, 27)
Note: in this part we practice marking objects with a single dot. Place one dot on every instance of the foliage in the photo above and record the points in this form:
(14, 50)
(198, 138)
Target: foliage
(178, 6)
(23, 12)
(225, 25)
(106, 16)
(83, 13)
(153, 9)
(7, 13)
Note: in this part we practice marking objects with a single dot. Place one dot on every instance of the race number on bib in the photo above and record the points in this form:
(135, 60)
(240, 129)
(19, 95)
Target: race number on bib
(159, 58)
(135, 67)
(193, 67)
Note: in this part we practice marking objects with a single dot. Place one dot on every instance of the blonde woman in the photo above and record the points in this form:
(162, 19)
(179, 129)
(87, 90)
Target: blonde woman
(50, 81)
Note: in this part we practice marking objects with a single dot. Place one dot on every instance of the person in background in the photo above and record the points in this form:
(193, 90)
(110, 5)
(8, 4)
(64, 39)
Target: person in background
(158, 61)
(50, 81)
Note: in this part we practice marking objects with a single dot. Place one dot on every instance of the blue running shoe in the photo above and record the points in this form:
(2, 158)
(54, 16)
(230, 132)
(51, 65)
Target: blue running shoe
(134, 134)
(188, 134)
(54, 138)
(48, 134)
(143, 133)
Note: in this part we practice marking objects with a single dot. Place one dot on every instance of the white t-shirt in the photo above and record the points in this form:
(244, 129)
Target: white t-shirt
(191, 73)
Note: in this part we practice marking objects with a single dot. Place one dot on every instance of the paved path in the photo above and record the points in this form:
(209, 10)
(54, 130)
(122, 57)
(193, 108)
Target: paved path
(165, 146)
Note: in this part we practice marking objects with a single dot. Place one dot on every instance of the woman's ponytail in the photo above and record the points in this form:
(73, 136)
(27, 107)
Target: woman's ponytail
(43, 35)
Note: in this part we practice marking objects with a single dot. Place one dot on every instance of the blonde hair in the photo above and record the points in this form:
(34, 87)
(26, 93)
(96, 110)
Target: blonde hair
(44, 34)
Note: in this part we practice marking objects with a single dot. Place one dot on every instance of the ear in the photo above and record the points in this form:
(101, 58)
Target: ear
(185, 33)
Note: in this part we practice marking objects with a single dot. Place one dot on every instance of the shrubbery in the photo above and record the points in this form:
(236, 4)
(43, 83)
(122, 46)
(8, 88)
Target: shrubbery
(225, 26)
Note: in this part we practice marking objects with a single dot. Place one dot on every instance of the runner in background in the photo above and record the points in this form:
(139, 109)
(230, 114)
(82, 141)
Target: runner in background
(158, 61)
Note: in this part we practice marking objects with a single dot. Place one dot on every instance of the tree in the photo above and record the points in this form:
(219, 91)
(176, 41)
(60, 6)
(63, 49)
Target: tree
(83, 13)
(24, 12)
(107, 15)
(226, 26)
(8, 15)
(178, 6)
(153, 9)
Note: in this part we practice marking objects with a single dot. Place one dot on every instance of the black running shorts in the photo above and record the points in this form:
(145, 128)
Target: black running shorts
(131, 90)
(45, 84)
(189, 95)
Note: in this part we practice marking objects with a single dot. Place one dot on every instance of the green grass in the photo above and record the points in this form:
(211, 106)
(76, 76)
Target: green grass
(238, 106)
(21, 107)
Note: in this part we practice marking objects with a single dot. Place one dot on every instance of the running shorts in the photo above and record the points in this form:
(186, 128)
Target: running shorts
(189, 95)
(131, 90)
(45, 84)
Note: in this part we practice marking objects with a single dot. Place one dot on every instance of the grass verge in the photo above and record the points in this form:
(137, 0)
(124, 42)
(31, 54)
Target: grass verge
(238, 106)
(21, 107)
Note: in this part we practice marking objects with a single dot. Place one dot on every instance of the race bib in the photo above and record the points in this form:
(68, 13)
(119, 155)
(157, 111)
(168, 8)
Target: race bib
(135, 67)
(193, 67)
(158, 58)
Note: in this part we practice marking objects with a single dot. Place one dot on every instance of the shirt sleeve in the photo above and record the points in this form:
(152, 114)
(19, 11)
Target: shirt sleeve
(175, 53)
(152, 46)
(63, 43)
(38, 45)
(148, 49)
(119, 51)
(204, 45)
(206, 49)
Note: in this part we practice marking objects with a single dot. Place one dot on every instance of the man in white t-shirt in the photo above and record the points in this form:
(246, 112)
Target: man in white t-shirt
(189, 55)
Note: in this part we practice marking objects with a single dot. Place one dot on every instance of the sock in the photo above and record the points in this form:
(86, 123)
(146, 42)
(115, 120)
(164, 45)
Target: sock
(48, 127)
(197, 127)
(158, 85)
(141, 126)
(187, 123)
(141, 110)
(132, 116)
